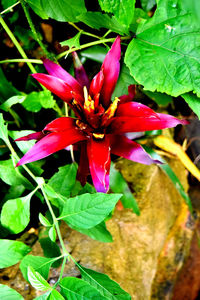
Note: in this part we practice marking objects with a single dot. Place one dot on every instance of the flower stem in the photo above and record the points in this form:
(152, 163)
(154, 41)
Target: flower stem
(16, 43)
(84, 32)
(19, 60)
(10, 8)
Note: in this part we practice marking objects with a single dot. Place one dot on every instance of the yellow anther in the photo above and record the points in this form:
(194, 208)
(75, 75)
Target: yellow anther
(112, 108)
(89, 103)
(98, 135)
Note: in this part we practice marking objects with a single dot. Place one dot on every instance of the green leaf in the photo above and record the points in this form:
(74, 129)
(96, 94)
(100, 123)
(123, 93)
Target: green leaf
(55, 295)
(7, 90)
(37, 281)
(3, 130)
(43, 296)
(119, 185)
(96, 53)
(98, 20)
(11, 101)
(36, 100)
(7, 3)
(148, 4)
(63, 10)
(98, 233)
(36, 6)
(125, 79)
(44, 220)
(123, 10)
(11, 252)
(15, 214)
(165, 55)
(193, 101)
(52, 234)
(159, 98)
(107, 287)
(50, 249)
(88, 210)
(39, 264)
(63, 181)
(170, 173)
(77, 289)
(139, 16)
(9, 294)
(73, 42)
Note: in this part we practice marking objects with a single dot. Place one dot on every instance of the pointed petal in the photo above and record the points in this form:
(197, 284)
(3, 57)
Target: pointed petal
(33, 136)
(51, 143)
(110, 68)
(80, 73)
(99, 162)
(83, 168)
(96, 84)
(122, 146)
(135, 109)
(55, 85)
(128, 124)
(130, 96)
(57, 71)
(61, 124)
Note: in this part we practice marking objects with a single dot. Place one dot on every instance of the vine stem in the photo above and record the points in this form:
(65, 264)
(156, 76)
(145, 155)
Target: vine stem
(10, 8)
(16, 60)
(16, 43)
(102, 41)
(84, 32)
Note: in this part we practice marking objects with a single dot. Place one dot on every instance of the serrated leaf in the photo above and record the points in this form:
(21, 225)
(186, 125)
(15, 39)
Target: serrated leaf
(107, 287)
(119, 185)
(36, 100)
(193, 101)
(75, 288)
(37, 281)
(44, 220)
(15, 214)
(148, 4)
(9, 294)
(88, 210)
(63, 10)
(39, 264)
(165, 54)
(52, 234)
(73, 42)
(123, 10)
(11, 101)
(11, 252)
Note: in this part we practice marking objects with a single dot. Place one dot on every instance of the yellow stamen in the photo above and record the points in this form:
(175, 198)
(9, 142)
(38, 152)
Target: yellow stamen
(81, 125)
(98, 135)
(112, 108)
(89, 103)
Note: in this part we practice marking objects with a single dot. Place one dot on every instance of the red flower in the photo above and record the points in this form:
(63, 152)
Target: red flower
(100, 124)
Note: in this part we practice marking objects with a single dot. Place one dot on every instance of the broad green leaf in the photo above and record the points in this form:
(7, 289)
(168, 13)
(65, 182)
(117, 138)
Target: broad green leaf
(125, 79)
(37, 281)
(50, 249)
(165, 55)
(119, 185)
(148, 4)
(7, 90)
(96, 53)
(11, 101)
(15, 191)
(63, 181)
(63, 10)
(73, 42)
(193, 101)
(88, 210)
(44, 220)
(43, 296)
(7, 3)
(76, 289)
(98, 233)
(52, 234)
(123, 10)
(24, 146)
(36, 100)
(55, 198)
(98, 20)
(9, 294)
(107, 287)
(36, 6)
(15, 214)
(11, 252)
(139, 16)
(55, 295)
(39, 264)
(159, 98)
(3, 130)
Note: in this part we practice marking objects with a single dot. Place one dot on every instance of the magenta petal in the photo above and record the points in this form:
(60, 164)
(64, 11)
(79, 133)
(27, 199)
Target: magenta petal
(33, 136)
(99, 162)
(130, 96)
(96, 84)
(61, 124)
(57, 71)
(131, 124)
(51, 143)
(110, 68)
(135, 109)
(122, 146)
(80, 73)
(55, 85)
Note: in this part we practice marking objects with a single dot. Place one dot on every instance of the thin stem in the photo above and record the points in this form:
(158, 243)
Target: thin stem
(107, 33)
(84, 32)
(71, 147)
(62, 270)
(58, 110)
(19, 60)
(102, 41)
(16, 43)
(10, 8)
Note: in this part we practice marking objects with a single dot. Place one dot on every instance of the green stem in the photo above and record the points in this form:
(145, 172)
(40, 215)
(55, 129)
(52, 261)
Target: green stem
(16, 60)
(16, 43)
(35, 34)
(62, 270)
(102, 41)
(84, 32)
(10, 8)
